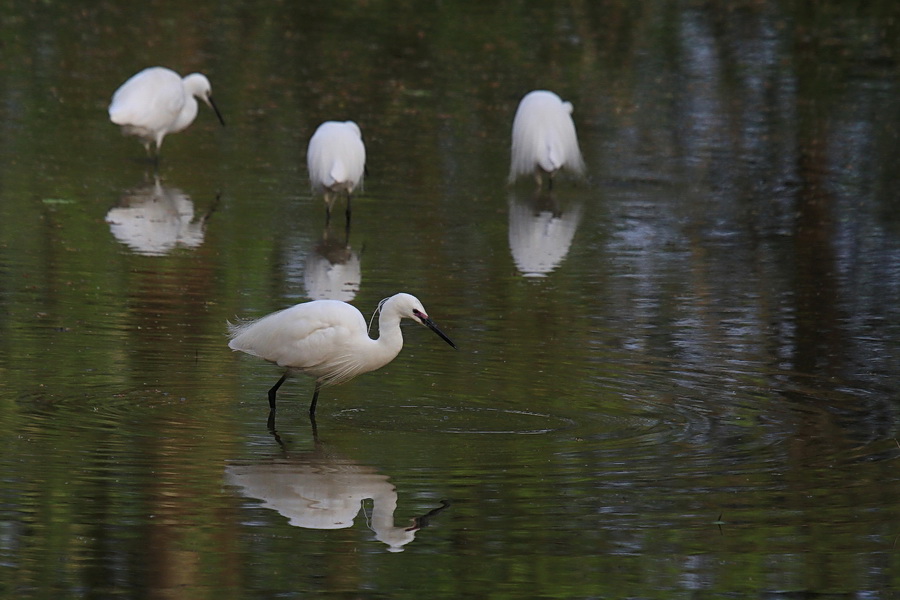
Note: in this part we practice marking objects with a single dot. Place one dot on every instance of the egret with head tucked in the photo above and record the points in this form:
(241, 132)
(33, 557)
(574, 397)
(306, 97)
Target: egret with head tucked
(543, 138)
(336, 159)
(157, 101)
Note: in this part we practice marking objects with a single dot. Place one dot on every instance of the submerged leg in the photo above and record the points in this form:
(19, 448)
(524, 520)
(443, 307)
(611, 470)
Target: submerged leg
(272, 392)
(312, 405)
(152, 156)
(315, 430)
(312, 414)
(329, 202)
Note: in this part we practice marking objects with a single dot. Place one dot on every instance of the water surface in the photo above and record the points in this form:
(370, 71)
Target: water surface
(676, 378)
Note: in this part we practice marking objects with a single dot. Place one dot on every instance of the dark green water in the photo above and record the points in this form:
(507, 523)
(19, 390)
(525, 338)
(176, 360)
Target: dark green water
(676, 379)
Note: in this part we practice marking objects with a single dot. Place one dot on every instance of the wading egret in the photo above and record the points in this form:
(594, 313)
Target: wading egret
(336, 159)
(157, 101)
(544, 138)
(328, 340)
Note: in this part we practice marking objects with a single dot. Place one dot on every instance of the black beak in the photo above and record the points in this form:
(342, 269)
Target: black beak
(430, 325)
(216, 109)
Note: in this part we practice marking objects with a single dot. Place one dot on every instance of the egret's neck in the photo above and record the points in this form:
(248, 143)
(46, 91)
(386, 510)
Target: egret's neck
(390, 338)
(374, 354)
(389, 343)
(186, 116)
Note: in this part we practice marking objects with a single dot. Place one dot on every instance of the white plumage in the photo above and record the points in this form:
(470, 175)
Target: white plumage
(544, 138)
(328, 340)
(336, 159)
(157, 101)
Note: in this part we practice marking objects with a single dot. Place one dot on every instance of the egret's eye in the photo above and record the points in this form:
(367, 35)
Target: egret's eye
(417, 312)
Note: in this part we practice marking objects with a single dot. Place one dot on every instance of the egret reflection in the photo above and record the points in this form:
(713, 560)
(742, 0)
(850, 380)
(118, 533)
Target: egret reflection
(318, 490)
(153, 219)
(332, 269)
(541, 232)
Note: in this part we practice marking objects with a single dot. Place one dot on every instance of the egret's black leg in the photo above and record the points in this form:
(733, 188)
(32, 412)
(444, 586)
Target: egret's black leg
(347, 225)
(315, 430)
(312, 405)
(348, 210)
(274, 433)
(272, 392)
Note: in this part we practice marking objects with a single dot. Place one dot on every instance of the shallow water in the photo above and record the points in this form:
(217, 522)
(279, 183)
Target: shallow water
(675, 378)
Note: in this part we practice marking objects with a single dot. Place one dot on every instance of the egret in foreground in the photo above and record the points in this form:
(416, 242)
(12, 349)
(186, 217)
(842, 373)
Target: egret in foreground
(336, 159)
(157, 101)
(544, 138)
(328, 340)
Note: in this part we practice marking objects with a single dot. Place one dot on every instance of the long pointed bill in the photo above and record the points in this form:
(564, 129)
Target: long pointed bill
(213, 106)
(430, 325)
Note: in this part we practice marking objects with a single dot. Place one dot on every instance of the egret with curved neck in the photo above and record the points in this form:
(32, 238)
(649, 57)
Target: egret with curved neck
(328, 340)
(157, 101)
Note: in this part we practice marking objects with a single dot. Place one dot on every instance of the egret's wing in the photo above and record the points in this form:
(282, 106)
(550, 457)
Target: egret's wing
(312, 337)
(310, 343)
(150, 99)
(336, 156)
(544, 135)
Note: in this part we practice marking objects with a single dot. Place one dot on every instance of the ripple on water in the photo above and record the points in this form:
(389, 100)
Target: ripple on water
(454, 420)
(101, 410)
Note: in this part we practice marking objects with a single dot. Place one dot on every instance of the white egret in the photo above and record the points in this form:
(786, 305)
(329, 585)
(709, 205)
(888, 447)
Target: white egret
(336, 159)
(328, 340)
(157, 101)
(544, 138)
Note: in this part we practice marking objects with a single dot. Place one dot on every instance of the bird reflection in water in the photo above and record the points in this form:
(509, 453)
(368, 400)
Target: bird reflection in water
(319, 490)
(332, 270)
(154, 219)
(541, 232)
